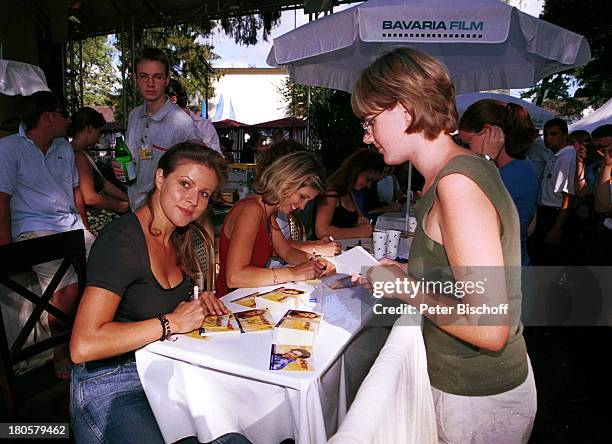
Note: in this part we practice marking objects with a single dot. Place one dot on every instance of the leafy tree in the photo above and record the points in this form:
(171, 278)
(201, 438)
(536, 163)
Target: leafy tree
(295, 97)
(245, 29)
(594, 80)
(99, 75)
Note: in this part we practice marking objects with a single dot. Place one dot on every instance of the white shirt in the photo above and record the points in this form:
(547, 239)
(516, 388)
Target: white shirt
(558, 177)
(206, 132)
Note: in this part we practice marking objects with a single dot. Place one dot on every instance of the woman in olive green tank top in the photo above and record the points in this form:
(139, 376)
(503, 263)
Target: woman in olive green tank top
(481, 379)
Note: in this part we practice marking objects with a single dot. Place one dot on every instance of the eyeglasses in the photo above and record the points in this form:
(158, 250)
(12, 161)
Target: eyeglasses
(367, 124)
(463, 143)
(144, 77)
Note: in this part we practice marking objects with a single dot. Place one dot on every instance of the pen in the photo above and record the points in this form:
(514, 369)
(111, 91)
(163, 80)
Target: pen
(196, 292)
(331, 239)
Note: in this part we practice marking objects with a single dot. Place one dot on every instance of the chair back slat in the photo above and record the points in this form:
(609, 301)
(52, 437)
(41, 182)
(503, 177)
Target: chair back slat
(14, 259)
(203, 248)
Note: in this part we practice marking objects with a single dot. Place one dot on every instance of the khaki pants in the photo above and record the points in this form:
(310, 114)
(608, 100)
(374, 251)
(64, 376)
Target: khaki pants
(506, 418)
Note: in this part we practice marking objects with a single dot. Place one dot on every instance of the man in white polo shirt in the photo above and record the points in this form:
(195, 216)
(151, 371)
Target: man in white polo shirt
(557, 190)
(38, 181)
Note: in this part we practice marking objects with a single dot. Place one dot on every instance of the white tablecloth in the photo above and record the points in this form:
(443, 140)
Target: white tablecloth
(207, 388)
(394, 404)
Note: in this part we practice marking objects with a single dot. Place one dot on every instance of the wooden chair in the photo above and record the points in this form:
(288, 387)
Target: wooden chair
(204, 249)
(16, 258)
(298, 231)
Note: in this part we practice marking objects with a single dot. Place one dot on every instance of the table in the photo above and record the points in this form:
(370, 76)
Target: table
(207, 388)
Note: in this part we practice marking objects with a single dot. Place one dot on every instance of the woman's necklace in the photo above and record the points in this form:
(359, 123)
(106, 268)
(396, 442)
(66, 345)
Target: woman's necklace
(268, 223)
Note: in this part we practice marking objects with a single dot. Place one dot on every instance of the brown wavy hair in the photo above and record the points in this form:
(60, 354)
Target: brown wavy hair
(186, 152)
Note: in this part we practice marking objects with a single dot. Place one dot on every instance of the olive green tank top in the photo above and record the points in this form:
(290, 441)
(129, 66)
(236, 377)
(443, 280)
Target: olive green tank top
(455, 366)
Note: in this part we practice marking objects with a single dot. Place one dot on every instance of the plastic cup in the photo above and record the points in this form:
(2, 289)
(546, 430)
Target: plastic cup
(412, 224)
(379, 239)
(393, 240)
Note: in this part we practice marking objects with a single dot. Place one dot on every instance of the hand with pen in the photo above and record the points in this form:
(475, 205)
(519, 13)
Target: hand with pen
(364, 227)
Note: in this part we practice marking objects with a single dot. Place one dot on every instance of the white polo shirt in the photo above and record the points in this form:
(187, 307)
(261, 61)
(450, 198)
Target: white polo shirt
(559, 177)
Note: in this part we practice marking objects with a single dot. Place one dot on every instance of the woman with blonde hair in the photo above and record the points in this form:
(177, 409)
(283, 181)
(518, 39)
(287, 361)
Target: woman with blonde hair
(250, 232)
(482, 383)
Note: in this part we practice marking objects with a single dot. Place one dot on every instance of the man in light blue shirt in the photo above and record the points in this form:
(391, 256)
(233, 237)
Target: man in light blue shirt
(156, 125)
(38, 178)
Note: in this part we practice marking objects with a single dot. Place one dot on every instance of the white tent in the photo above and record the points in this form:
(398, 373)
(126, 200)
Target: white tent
(224, 109)
(485, 44)
(538, 115)
(601, 116)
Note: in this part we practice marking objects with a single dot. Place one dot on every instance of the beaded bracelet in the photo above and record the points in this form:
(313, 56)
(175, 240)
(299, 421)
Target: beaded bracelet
(165, 323)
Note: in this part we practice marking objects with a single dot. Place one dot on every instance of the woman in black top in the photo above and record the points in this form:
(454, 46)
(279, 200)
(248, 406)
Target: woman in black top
(338, 214)
(103, 200)
(138, 292)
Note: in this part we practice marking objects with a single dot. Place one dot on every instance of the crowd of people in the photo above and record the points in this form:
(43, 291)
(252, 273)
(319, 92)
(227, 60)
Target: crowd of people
(483, 204)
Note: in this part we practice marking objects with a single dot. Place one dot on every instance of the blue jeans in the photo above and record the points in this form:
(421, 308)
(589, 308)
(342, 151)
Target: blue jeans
(108, 405)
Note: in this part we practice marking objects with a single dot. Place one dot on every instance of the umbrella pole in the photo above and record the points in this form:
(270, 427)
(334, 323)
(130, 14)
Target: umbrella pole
(408, 190)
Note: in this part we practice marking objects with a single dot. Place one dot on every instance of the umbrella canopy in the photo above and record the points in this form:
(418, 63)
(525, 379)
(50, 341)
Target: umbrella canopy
(485, 44)
(594, 120)
(21, 78)
(538, 115)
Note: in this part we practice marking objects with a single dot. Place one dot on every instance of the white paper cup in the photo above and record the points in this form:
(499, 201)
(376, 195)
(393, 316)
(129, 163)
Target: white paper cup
(412, 224)
(379, 239)
(393, 240)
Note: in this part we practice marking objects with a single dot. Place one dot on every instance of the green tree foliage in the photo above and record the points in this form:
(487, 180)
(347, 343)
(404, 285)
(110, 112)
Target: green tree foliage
(594, 81)
(295, 97)
(334, 130)
(189, 59)
(99, 75)
(245, 29)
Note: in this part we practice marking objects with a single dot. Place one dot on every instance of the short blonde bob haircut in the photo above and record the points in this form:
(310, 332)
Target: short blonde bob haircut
(417, 81)
(289, 173)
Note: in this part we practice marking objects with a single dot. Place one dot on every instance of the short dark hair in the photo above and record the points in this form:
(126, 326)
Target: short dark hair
(175, 88)
(602, 131)
(34, 106)
(559, 123)
(154, 54)
(83, 118)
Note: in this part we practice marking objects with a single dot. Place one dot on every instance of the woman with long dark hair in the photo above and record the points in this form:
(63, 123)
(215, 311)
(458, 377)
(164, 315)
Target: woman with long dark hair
(338, 214)
(503, 133)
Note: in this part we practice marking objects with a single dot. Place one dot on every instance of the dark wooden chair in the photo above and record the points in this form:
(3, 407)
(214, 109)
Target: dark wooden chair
(204, 249)
(16, 258)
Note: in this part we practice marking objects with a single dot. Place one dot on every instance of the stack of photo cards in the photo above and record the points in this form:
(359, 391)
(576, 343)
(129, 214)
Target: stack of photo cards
(282, 299)
(220, 325)
(247, 301)
(257, 319)
(294, 338)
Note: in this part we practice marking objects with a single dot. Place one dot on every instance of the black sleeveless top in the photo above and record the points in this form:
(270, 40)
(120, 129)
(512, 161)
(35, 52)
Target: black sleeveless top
(344, 218)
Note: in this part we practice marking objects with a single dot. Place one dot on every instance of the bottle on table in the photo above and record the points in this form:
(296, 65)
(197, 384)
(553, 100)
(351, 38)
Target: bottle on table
(123, 163)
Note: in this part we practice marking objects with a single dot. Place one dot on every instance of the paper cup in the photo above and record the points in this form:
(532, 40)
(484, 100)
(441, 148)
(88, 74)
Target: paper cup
(393, 240)
(412, 224)
(379, 239)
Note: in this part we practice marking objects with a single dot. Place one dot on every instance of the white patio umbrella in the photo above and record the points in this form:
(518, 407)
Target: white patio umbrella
(485, 44)
(21, 78)
(538, 115)
(601, 116)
